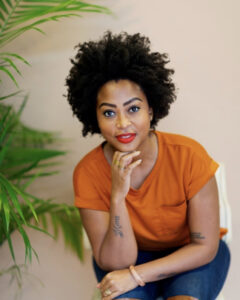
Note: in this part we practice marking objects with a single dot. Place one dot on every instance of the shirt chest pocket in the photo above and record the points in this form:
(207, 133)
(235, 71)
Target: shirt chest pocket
(172, 219)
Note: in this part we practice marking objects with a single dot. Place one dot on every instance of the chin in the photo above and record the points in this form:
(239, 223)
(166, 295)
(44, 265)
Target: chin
(126, 147)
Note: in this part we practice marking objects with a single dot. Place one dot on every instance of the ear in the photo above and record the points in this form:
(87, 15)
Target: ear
(150, 113)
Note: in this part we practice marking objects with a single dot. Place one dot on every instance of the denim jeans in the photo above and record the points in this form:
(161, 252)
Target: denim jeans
(203, 283)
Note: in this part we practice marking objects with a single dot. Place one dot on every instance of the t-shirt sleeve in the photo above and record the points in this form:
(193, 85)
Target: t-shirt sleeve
(201, 168)
(86, 192)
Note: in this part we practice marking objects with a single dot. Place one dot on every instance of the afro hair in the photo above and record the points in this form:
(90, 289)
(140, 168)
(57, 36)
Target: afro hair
(114, 57)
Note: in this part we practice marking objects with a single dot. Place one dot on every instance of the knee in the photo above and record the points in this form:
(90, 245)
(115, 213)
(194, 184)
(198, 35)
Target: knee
(182, 297)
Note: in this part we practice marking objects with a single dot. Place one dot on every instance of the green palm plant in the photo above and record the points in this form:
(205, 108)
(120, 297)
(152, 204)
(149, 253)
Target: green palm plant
(17, 17)
(26, 154)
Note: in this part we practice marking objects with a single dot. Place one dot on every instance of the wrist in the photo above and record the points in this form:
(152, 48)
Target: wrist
(117, 198)
(136, 276)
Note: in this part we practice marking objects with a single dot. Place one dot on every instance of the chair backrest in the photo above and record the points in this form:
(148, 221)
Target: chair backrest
(225, 210)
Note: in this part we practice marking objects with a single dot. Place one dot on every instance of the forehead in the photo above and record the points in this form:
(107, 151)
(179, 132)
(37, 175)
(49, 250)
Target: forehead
(120, 90)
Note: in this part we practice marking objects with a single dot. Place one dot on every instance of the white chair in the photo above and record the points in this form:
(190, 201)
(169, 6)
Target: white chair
(225, 218)
(225, 211)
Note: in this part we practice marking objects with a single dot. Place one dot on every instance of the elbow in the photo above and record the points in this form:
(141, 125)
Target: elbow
(114, 264)
(211, 252)
(115, 260)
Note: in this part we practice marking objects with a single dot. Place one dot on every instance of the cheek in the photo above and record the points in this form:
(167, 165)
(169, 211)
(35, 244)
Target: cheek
(145, 121)
(105, 127)
(101, 123)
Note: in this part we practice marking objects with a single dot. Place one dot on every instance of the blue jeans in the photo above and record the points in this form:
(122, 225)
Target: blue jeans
(203, 283)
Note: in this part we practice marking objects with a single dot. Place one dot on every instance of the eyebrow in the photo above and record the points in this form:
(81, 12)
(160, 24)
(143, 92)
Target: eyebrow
(124, 104)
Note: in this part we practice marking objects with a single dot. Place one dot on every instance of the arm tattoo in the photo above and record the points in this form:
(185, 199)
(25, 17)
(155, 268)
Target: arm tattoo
(117, 227)
(162, 276)
(197, 235)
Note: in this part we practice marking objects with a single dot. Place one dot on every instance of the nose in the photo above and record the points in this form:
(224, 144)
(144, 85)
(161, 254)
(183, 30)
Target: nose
(122, 121)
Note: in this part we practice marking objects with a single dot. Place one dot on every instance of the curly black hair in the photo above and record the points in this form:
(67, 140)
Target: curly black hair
(114, 57)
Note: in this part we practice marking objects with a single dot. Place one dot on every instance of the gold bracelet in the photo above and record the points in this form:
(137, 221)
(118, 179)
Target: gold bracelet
(136, 276)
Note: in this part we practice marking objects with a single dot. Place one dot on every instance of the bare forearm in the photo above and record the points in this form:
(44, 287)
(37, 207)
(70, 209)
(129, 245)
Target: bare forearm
(186, 258)
(119, 248)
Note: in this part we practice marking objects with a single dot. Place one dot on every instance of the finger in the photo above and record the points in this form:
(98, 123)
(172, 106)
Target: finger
(105, 284)
(107, 292)
(112, 296)
(127, 155)
(133, 165)
(115, 157)
(126, 159)
(101, 286)
(118, 155)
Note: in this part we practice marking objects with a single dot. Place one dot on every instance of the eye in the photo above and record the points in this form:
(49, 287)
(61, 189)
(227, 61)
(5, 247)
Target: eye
(109, 113)
(134, 108)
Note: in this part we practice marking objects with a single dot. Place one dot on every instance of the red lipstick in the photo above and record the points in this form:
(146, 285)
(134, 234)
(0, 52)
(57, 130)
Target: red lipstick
(126, 137)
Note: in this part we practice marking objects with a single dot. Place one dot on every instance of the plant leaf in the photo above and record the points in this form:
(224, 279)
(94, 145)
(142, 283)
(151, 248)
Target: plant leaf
(11, 64)
(40, 229)
(12, 119)
(9, 95)
(19, 156)
(2, 54)
(4, 69)
(28, 247)
(6, 208)
(4, 114)
(20, 173)
(3, 7)
(13, 195)
(8, 237)
(25, 197)
(21, 12)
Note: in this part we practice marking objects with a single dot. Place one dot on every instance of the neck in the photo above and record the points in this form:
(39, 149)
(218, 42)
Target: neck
(149, 150)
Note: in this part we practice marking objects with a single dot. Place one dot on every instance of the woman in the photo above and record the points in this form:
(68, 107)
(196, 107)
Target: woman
(148, 200)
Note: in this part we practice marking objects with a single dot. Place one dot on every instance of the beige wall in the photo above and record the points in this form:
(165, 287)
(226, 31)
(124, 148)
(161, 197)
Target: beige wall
(202, 39)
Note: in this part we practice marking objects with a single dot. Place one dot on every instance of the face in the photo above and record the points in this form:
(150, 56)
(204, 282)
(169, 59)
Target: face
(123, 115)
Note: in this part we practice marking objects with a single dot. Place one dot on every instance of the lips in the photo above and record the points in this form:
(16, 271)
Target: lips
(126, 137)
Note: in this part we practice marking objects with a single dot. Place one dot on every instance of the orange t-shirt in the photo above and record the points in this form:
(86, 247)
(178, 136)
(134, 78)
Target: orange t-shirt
(158, 209)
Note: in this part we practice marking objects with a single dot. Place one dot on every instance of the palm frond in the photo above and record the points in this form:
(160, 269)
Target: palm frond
(8, 97)
(21, 161)
(23, 136)
(68, 220)
(19, 16)
(15, 271)
(14, 55)
(7, 65)
(5, 69)
(23, 153)
(18, 209)
(62, 218)
(15, 15)
(18, 162)
(8, 120)
(7, 62)
(27, 144)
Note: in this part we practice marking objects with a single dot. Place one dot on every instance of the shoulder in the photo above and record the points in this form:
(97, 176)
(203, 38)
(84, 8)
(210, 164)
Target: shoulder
(180, 142)
(90, 161)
